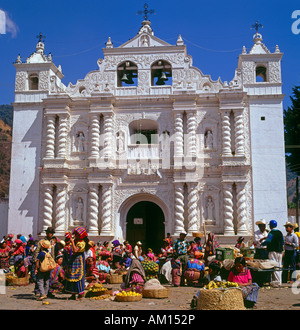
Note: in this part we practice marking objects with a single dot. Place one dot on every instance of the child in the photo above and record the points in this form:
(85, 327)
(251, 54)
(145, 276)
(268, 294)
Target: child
(43, 278)
(57, 277)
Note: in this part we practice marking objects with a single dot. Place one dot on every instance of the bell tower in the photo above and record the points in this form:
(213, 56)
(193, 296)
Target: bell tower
(261, 79)
(35, 79)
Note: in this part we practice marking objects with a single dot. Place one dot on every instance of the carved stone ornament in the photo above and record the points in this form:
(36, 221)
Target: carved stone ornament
(20, 84)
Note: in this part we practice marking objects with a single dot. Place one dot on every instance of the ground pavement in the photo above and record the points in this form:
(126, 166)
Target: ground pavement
(22, 298)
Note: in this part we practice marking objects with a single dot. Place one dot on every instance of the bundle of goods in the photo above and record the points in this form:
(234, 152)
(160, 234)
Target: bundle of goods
(128, 296)
(13, 280)
(97, 290)
(262, 264)
(114, 279)
(220, 296)
(151, 269)
(224, 253)
(153, 289)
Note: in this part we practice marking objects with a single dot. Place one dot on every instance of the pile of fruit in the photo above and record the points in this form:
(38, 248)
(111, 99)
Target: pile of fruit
(151, 269)
(97, 287)
(220, 284)
(104, 296)
(128, 294)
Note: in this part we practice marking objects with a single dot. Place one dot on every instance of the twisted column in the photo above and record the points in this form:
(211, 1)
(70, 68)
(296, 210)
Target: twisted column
(228, 209)
(178, 135)
(193, 222)
(95, 136)
(93, 210)
(241, 208)
(239, 133)
(191, 131)
(60, 209)
(108, 135)
(226, 134)
(50, 137)
(48, 207)
(62, 136)
(106, 210)
(179, 208)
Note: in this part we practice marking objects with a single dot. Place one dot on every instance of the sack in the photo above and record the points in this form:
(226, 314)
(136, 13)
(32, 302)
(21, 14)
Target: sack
(48, 263)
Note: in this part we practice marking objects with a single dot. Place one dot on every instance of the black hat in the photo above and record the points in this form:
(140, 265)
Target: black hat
(50, 230)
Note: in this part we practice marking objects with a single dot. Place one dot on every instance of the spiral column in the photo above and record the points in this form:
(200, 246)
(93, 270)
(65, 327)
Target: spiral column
(193, 223)
(226, 134)
(239, 133)
(179, 208)
(48, 207)
(178, 152)
(62, 135)
(50, 136)
(106, 228)
(191, 131)
(95, 136)
(228, 209)
(60, 209)
(241, 208)
(93, 228)
(108, 135)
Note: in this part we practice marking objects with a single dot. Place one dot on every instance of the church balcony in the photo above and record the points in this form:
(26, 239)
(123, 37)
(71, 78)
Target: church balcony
(144, 151)
(161, 90)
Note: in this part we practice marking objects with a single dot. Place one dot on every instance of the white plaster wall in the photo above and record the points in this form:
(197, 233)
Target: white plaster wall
(25, 162)
(3, 217)
(268, 161)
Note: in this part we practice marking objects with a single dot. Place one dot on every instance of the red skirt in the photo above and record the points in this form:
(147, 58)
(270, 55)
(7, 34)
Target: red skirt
(176, 277)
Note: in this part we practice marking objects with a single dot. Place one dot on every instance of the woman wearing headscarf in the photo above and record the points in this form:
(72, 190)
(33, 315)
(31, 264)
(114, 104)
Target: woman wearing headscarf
(116, 254)
(135, 275)
(211, 245)
(75, 269)
(92, 272)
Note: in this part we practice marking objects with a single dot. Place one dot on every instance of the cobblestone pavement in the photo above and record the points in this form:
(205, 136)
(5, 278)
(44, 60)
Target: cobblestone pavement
(22, 298)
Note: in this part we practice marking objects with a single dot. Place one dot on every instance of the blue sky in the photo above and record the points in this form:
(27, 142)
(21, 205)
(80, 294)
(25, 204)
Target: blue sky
(214, 32)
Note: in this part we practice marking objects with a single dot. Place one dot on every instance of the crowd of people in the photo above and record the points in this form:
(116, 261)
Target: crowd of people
(75, 262)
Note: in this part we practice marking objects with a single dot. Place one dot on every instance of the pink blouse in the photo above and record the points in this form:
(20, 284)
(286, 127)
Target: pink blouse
(242, 277)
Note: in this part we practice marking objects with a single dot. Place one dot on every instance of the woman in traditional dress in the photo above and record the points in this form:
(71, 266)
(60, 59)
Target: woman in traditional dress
(242, 275)
(176, 271)
(210, 247)
(4, 255)
(92, 272)
(195, 270)
(116, 254)
(75, 269)
(136, 274)
(57, 277)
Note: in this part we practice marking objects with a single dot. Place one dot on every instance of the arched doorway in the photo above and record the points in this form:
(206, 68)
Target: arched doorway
(145, 223)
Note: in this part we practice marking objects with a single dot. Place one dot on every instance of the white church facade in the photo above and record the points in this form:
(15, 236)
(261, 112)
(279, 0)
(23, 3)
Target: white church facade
(147, 144)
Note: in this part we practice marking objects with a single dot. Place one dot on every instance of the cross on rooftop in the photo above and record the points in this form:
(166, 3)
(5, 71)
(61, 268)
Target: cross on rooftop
(41, 37)
(146, 12)
(256, 26)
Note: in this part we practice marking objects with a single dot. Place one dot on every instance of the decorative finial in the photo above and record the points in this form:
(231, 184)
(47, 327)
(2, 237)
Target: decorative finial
(146, 12)
(109, 44)
(256, 26)
(41, 37)
(179, 41)
(19, 59)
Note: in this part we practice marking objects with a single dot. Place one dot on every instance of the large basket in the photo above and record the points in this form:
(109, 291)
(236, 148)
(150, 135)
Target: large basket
(115, 279)
(156, 293)
(16, 281)
(220, 299)
(197, 234)
(129, 298)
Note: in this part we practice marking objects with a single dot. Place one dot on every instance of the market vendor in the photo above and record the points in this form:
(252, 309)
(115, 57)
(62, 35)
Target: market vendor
(260, 236)
(135, 275)
(241, 274)
(181, 251)
(194, 270)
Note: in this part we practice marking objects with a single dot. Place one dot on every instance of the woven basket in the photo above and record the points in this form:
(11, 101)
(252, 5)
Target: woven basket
(16, 281)
(129, 298)
(115, 279)
(156, 293)
(220, 299)
(197, 234)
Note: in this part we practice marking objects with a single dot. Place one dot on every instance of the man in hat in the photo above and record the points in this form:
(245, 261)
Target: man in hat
(49, 234)
(291, 243)
(274, 243)
(259, 236)
(180, 249)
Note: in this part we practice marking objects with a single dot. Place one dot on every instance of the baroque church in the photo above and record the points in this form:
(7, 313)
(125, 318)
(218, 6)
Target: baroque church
(147, 144)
